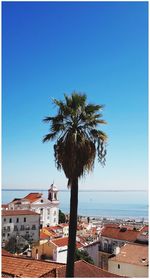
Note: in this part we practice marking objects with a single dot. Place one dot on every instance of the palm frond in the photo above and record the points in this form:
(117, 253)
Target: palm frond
(78, 139)
(50, 136)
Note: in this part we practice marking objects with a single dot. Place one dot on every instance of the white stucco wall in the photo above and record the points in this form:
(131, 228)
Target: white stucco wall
(62, 254)
(30, 221)
(129, 270)
(93, 252)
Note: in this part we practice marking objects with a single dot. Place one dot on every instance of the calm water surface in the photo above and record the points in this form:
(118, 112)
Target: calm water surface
(96, 203)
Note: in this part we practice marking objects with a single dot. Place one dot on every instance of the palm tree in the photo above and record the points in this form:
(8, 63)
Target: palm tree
(77, 141)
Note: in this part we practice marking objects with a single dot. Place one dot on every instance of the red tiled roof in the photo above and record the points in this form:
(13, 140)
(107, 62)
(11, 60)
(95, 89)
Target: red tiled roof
(64, 225)
(132, 254)
(4, 206)
(32, 197)
(23, 267)
(50, 232)
(116, 233)
(6, 253)
(43, 236)
(18, 212)
(111, 225)
(83, 269)
(63, 241)
(55, 228)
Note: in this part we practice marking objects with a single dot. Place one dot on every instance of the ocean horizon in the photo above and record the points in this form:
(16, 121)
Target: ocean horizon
(132, 204)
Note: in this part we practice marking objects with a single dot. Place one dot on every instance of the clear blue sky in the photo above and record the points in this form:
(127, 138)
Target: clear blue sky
(51, 48)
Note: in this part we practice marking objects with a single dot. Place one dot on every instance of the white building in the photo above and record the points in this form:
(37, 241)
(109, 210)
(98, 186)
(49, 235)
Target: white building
(48, 208)
(19, 223)
(92, 250)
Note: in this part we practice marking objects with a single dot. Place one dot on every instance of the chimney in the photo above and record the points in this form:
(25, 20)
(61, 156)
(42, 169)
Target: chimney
(116, 250)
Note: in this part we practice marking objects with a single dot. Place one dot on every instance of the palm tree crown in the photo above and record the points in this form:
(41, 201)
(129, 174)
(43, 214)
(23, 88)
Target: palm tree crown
(77, 138)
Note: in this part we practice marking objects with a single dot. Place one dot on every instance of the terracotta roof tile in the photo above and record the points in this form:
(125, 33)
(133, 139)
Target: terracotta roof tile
(32, 197)
(112, 225)
(49, 232)
(29, 268)
(63, 241)
(133, 254)
(64, 225)
(44, 236)
(85, 270)
(4, 206)
(18, 212)
(55, 228)
(116, 233)
(6, 253)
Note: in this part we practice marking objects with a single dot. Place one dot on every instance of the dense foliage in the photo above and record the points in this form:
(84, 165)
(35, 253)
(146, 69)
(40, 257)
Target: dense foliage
(62, 217)
(83, 255)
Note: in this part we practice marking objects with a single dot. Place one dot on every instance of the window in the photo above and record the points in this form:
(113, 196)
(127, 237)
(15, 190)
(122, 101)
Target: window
(55, 212)
(8, 229)
(27, 228)
(105, 246)
(118, 266)
(41, 201)
(24, 219)
(41, 210)
(17, 221)
(8, 234)
(10, 220)
(4, 219)
(33, 227)
(3, 234)
(54, 220)
(48, 211)
(22, 228)
(55, 196)
(15, 228)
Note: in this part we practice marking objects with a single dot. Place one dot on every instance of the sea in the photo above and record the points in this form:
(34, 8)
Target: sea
(96, 203)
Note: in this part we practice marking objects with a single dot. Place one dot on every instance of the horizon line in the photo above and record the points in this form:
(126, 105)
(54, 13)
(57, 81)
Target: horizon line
(80, 190)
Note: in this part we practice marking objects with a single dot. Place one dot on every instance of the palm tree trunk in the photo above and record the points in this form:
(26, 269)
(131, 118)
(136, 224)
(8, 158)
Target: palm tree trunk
(72, 228)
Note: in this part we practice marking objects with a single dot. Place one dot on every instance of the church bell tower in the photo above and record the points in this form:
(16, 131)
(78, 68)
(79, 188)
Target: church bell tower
(53, 194)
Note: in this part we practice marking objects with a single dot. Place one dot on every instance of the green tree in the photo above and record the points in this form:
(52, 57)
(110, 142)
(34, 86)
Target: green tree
(77, 141)
(83, 255)
(62, 218)
(11, 245)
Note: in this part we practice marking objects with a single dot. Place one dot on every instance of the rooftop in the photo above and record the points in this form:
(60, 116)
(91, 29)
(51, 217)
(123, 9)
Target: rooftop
(64, 225)
(32, 197)
(44, 236)
(54, 228)
(133, 254)
(63, 241)
(29, 268)
(4, 206)
(5, 253)
(22, 267)
(83, 270)
(119, 233)
(18, 212)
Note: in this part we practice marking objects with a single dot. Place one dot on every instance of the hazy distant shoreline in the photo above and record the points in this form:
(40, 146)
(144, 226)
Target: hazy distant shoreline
(66, 190)
(95, 203)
